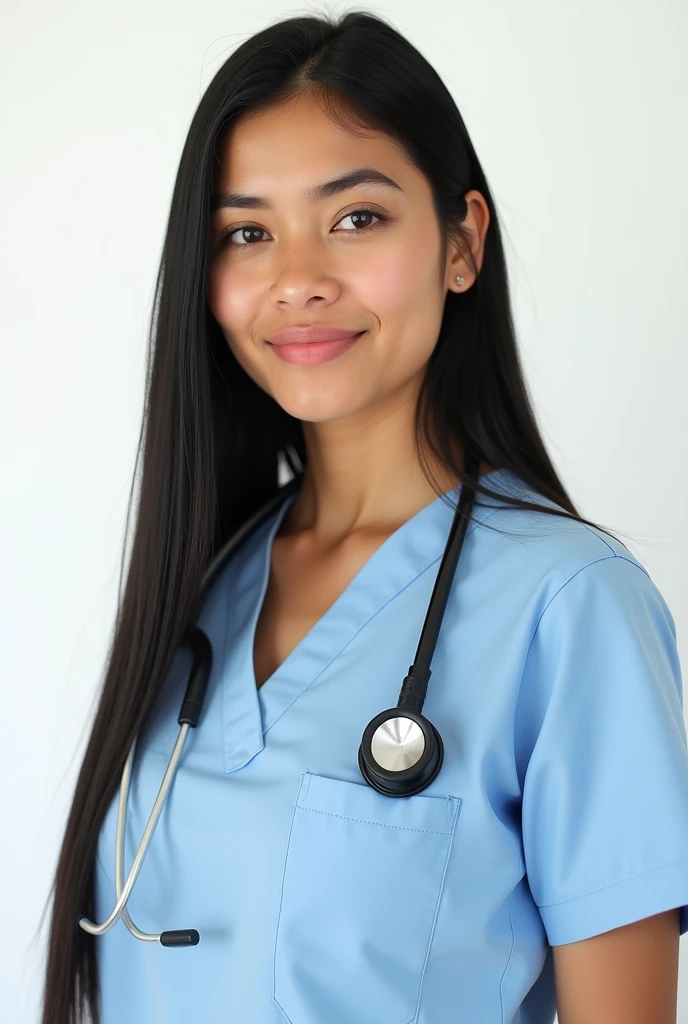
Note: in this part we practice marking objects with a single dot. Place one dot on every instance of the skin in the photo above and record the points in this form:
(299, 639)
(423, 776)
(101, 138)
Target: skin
(363, 480)
(312, 263)
(628, 975)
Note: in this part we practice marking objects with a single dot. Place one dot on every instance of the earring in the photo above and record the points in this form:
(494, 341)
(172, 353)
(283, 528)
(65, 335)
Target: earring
(459, 280)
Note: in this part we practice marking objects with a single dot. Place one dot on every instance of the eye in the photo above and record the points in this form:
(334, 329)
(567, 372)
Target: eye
(250, 229)
(362, 212)
(226, 234)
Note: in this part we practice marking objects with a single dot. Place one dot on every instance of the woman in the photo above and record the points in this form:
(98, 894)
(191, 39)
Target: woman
(328, 184)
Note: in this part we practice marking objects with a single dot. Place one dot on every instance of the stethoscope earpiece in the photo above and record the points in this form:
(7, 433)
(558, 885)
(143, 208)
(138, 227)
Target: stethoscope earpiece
(401, 752)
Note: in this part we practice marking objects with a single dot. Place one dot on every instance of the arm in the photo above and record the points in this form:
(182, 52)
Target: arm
(628, 975)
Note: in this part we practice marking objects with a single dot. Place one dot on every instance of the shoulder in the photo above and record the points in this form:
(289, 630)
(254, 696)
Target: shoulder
(542, 551)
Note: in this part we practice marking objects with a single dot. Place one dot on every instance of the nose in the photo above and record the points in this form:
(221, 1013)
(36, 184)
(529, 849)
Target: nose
(304, 273)
(302, 280)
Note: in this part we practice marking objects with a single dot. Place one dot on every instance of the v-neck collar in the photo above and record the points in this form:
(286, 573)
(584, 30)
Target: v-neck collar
(248, 711)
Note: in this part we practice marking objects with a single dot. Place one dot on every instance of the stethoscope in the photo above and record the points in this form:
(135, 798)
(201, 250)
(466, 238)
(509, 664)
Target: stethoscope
(401, 752)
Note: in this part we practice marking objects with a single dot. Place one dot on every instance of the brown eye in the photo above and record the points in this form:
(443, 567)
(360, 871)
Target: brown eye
(362, 213)
(227, 233)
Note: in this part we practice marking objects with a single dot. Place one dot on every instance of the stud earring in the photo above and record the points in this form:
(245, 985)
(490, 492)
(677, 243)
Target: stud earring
(459, 280)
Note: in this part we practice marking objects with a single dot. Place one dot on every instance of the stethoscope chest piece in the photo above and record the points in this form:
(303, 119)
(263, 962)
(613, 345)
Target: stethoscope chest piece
(401, 752)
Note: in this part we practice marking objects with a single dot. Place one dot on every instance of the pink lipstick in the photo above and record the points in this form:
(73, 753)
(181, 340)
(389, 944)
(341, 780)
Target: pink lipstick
(310, 346)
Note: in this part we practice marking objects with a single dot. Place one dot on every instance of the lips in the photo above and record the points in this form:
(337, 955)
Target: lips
(315, 353)
(309, 335)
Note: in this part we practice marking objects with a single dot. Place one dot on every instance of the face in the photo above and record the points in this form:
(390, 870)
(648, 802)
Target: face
(365, 258)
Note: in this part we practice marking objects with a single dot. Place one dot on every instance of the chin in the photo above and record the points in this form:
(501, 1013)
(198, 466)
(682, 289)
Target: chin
(317, 404)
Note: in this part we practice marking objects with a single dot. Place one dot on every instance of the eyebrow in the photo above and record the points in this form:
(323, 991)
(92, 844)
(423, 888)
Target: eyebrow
(357, 176)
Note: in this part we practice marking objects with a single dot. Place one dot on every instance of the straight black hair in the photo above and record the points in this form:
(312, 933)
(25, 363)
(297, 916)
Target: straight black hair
(212, 441)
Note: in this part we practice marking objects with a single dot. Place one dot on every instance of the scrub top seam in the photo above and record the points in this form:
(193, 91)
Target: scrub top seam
(602, 558)
(513, 942)
(315, 678)
(619, 881)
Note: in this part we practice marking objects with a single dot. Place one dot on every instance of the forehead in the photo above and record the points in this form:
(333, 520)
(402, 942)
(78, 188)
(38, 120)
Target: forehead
(287, 148)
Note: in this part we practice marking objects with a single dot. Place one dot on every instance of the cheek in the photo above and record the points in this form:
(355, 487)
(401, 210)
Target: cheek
(231, 301)
(401, 281)
(234, 307)
(401, 289)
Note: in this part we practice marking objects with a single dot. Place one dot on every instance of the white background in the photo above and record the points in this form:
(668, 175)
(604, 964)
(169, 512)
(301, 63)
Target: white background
(577, 112)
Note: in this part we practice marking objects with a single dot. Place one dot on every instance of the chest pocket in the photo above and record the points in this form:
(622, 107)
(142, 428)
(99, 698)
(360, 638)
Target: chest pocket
(363, 877)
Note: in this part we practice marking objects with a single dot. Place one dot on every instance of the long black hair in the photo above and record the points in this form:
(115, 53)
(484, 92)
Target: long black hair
(212, 441)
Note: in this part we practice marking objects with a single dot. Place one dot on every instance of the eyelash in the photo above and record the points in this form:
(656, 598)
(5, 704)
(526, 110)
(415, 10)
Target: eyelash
(225, 235)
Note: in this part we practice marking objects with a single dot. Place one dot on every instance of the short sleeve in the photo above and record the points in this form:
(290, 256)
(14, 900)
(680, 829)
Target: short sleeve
(605, 789)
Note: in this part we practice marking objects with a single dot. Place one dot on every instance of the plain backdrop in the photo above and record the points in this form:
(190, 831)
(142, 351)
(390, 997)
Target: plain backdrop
(577, 113)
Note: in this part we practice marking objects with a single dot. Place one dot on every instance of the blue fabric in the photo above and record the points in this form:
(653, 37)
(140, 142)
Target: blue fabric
(561, 810)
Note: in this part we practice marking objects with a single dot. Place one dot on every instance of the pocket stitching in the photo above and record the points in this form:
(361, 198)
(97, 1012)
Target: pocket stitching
(378, 824)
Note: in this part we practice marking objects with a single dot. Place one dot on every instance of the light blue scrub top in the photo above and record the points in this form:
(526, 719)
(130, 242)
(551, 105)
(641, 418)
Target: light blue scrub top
(561, 809)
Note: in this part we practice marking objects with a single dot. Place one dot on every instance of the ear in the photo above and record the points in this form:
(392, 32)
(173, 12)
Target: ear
(474, 226)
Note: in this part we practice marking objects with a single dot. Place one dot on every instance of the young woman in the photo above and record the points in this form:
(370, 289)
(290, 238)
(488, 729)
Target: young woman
(333, 334)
